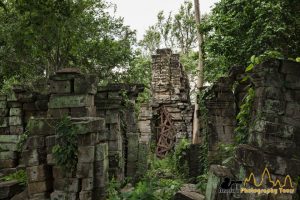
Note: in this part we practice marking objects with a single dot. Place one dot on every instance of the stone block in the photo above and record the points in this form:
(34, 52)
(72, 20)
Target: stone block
(15, 120)
(84, 112)
(29, 106)
(60, 87)
(50, 142)
(8, 146)
(8, 163)
(86, 154)
(42, 126)
(15, 112)
(144, 126)
(3, 122)
(89, 125)
(9, 188)
(38, 173)
(86, 195)
(112, 117)
(61, 195)
(39, 187)
(101, 181)
(3, 97)
(40, 196)
(86, 84)
(87, 184)
(92, 138)
(290, 67)
(101, 152)
(50, 159)
(3, 104)
(34, 157)
(101, 167)
(85, 170)
(35, 142)
(58, 112)
(8, 155)
(14, 104)
(16, 130)
(3, 112)
(59, 173)
(9, 138)
(70, 101)
(66, 184)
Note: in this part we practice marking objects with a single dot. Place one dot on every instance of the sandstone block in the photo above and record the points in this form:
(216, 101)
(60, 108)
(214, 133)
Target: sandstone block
(8, 146)
(15, 120)
(70, 101)
(66, 184)
(101, 152)
(58, 112)
(60, 87)
(3, 104)
(87, 184)
(89, 111)
(59, 195)
(39, 187)
(16, 130)
(38, 173)
(86, 154)
(9, 138)
(85, 170)
(15, 112)
(3, 122)
(35, 142)
(8, 163)
(86, 195)
(6, 155)
(34, 157)
(3, 112)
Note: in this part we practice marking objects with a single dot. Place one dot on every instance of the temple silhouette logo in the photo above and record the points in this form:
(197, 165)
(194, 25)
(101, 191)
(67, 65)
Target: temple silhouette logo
(264, 184)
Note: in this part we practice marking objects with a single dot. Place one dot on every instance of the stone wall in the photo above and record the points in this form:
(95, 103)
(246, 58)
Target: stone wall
(170, 88)
(104, 119)
(273, 141)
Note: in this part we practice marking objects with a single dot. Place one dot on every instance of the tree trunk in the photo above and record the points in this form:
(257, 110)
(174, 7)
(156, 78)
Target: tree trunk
(196, 121)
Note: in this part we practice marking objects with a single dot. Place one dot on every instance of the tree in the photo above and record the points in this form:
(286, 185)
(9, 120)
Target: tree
(175, 31)
(196, 120)
(42, 36)
(238, 29)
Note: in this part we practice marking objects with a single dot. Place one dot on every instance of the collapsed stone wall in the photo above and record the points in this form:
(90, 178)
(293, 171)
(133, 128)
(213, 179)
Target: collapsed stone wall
(170, 89)
(273, 136)
(108, 138)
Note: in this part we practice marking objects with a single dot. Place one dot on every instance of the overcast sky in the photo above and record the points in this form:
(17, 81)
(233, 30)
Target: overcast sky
(140, 14)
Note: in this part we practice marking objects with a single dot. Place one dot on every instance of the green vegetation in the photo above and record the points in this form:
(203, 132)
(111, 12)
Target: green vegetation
(19, 175)
(65, 151)
(163, 179)
(22, 141)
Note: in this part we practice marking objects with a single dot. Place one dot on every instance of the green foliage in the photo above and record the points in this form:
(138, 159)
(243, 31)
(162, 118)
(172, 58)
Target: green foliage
(238, 29)
(65, 151)
(19, 175)
(202, 182)
(22, 140)
(40, 37)
(179, 157)
(7, 84)
(176, 31)
(244, 117)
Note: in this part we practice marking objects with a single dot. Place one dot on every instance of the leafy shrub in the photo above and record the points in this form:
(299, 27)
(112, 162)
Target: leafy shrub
(20, 176)
(65, 151)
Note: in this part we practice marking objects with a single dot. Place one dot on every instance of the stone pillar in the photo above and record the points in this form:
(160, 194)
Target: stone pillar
(170, 88)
